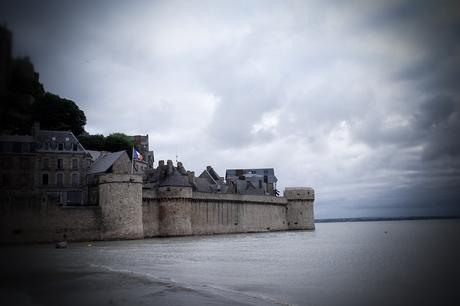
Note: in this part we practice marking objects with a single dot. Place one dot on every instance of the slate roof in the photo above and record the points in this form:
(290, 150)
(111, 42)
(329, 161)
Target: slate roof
(202, 185)
(175, 179)
(103, 163)
(52, 138)
(94, 154)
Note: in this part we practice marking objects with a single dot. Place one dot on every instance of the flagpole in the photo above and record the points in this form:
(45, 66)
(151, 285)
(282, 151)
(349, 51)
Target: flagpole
(132, 160)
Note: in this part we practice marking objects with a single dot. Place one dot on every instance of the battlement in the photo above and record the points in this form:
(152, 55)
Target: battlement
(299, 193)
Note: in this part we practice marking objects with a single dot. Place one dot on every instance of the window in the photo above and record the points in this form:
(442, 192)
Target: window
(45, 179)
(74, 147)
(25, 163)
(60, 163)
(74, 197)
(59, 179)
(6, 163)
(46, 163)
(60, 146)
(75, 179)
(5, 180)
(7, 146)
(74, 164)
(17, 147)
(26, 147)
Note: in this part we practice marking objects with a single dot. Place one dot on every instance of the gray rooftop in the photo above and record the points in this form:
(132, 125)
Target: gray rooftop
(48, 140)
(95, 154)
(103, 163)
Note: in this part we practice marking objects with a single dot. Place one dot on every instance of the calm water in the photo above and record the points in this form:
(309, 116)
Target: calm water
(356, 263)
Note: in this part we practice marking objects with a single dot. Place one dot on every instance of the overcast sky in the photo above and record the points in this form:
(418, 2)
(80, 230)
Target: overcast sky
(358, 99)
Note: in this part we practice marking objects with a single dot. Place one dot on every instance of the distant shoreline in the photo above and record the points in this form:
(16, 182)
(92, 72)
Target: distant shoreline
(364, 219)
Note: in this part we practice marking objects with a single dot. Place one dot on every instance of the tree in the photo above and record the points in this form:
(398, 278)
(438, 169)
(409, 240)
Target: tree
(24, 79)
(118, 142)
(23, 88)
(23, 99)
(56, 113)
(113, 143)
(92, 142)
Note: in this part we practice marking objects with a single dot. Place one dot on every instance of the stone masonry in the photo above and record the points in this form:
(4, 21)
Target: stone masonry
(130, 208)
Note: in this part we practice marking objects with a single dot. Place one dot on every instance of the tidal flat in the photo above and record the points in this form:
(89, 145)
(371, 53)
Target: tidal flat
(412, 262)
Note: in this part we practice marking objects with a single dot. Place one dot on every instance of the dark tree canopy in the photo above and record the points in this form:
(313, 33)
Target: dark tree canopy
(24, 79)
(23, 99)
(92, 142)
(112, 143)
(56, 113)
(23, 88)
(118, 142)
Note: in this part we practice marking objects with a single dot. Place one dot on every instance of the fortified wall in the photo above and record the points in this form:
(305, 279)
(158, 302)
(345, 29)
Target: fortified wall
(130, 208)
(179, 211)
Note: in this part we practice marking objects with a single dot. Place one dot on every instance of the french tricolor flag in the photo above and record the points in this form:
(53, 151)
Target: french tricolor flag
(137, 155)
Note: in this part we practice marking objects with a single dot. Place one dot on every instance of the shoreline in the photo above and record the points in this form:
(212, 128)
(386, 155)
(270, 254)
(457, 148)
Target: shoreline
(367, 219)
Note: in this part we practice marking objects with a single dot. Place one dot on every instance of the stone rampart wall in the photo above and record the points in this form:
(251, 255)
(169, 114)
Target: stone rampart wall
(125, 211)
(229, 213)
(177, 211)
(37, 218)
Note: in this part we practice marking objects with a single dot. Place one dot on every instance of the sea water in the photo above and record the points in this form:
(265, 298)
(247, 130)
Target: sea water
(349, 263)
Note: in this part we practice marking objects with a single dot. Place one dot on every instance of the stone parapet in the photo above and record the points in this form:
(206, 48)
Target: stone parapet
(253, 199)
(120, 178)
(299, 193)
(174, 192)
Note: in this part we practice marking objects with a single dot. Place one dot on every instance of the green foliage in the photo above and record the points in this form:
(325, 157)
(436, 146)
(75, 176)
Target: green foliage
(92, 142)
(113, 143)
(56, 113)
(118, 142)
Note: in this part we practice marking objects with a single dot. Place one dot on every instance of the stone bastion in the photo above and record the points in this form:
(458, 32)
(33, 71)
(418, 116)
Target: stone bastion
(128, 208)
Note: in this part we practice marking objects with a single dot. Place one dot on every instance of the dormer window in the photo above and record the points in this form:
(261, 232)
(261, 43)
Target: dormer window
(53, 138)
(60, 146)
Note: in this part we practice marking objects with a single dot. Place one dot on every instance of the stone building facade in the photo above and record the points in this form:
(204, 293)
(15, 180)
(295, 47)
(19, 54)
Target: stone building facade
(252, 181)
(50, 163)
(61, 165)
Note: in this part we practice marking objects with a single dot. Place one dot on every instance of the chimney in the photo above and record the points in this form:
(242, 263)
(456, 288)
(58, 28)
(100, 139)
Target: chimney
(170, 167)
(35, 128)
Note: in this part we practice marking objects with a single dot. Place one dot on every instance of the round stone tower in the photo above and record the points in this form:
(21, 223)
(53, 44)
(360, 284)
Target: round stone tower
(175, 206)
(120, 199)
